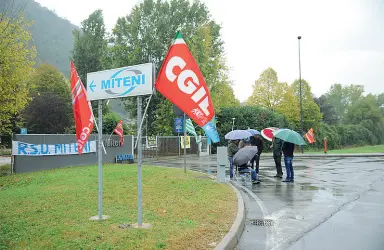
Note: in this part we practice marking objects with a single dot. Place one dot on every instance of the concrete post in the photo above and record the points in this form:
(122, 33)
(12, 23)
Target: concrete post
(222, 161)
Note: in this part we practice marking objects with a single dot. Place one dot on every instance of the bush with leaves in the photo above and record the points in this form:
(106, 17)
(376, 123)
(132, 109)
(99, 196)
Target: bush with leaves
(110, 121)
(50, 111)
(340, 136)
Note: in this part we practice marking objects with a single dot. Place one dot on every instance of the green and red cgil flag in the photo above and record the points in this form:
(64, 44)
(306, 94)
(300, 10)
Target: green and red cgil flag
(181, 81)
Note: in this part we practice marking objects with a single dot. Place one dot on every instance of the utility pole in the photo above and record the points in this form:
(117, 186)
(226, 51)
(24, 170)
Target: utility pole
(301, 97)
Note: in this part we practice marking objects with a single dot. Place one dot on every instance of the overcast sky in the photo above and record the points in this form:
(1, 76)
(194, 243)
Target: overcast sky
(342, 40)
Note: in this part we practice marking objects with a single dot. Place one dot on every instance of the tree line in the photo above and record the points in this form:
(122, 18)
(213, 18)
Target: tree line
(343, 115)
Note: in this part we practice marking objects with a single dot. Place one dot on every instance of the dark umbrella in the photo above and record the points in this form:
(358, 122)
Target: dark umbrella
(244, 155)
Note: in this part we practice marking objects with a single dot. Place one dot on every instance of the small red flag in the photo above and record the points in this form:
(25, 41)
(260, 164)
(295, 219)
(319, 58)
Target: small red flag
(119, 131)
(310, 136)
(82, 110)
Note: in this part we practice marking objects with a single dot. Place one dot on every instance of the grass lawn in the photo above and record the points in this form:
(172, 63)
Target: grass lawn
(51, 209)
(356, 150)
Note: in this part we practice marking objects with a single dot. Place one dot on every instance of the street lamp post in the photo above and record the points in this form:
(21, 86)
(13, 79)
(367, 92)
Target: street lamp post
(233, 122)
(301, 97)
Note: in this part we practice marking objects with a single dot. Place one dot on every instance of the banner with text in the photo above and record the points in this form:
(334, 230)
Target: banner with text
(22, 148)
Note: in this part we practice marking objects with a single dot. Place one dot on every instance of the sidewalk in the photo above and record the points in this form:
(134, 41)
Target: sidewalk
(267, 154)
(322, 155)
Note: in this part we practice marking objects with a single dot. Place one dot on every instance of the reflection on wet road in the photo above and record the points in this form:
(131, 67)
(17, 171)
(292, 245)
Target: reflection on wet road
(323, 187)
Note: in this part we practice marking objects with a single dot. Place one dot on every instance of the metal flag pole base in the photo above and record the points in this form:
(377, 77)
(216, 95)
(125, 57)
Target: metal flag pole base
(103, 217)
(136, 225)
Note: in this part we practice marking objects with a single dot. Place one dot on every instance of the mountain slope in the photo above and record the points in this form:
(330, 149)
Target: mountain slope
(52, 35)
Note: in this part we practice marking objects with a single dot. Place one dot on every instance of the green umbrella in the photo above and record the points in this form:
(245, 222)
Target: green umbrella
(289, 136)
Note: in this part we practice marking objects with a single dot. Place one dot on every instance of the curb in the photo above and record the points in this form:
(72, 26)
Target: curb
(339, 155)
(231, 239)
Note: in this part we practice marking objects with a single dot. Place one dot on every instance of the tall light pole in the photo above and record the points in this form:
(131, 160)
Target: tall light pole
(301, 97)
(233, 122)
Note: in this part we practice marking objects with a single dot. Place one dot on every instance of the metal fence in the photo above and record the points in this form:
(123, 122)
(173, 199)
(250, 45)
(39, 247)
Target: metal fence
(170, 146)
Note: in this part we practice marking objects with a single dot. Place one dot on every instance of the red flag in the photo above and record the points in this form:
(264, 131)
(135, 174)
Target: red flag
(82, 110)
(310, 136)
(119, 131)
(180, 81)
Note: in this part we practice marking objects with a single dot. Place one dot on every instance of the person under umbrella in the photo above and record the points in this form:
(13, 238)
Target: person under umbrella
(231, 150)
(277, 145)
(290, 138)
(288, 148)
(257, 141)
(243, 157)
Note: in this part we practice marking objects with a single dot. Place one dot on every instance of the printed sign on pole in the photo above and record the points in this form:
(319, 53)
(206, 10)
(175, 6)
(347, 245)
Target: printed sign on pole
(178, 125)
(23, 131)
(187, 141)
(121, 82)
(151, 141)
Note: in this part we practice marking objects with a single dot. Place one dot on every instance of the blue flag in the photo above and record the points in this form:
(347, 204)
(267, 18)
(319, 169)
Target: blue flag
(210, 130)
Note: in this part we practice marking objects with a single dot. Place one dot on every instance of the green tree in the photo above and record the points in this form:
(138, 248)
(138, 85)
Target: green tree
(328, 111)
(342, 97)
(366, 112)
(311, 112)
(110, 121)
(267, 92)
(90, 51)
(289, 107)
(380, 102)
(147, 32)
(380, 99)
(16, 61)
(50, 110)
(90, 45)
(223, 96)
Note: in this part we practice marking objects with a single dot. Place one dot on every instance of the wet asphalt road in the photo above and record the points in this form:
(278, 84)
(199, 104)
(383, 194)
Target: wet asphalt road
(334, 203)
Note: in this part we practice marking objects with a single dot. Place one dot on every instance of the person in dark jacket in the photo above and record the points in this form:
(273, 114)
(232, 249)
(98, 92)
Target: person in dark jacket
(277, 145)
(231, 150)
(288, 149)
(257, 141)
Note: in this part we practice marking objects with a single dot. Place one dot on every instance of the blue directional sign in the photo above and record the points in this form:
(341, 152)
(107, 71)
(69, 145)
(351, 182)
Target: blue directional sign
(134, 80)
(178, 125)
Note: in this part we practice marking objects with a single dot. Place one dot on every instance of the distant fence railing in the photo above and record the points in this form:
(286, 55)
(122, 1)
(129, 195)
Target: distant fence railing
(168, 146)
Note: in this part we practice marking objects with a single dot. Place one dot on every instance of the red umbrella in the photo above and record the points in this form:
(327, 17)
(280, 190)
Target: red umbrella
(267, 133)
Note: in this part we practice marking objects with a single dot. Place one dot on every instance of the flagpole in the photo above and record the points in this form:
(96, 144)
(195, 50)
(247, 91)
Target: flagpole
(100, 161)
(110, 135)
(97, 127)
(185, 146)
(145, 112)
(150, 97)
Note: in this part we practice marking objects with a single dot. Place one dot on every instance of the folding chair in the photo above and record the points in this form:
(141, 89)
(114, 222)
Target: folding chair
(243, 171)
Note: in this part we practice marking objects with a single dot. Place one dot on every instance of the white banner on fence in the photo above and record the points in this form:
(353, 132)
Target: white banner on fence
(23, 148)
